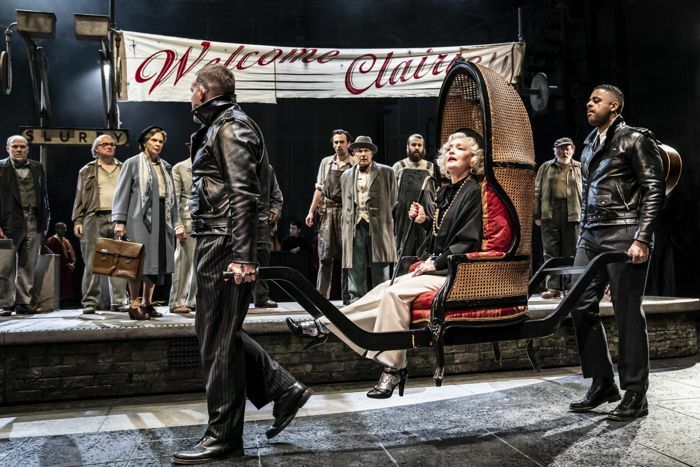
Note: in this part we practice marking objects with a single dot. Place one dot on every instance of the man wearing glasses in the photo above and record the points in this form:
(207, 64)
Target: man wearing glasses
(92, 218)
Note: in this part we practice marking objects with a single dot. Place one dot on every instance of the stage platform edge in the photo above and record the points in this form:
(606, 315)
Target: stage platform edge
(66, 355)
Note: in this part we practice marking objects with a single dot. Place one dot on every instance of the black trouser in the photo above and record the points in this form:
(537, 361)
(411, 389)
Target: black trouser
(233, 364)
(627, 283)
(559, 240)
(262, 289)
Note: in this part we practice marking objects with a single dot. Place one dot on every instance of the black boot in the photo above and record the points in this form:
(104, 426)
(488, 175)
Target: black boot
(313, 329)
(287, 406)
(602, 390)
(388, 380)
(208, 449)
(634, 405)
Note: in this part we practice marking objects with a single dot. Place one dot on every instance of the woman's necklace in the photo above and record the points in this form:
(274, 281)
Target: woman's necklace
(436, 216)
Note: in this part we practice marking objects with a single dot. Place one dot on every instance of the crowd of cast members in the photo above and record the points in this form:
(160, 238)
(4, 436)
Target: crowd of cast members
(368, 214)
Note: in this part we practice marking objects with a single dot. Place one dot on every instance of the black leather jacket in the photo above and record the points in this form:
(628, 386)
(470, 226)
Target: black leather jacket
(623, 181)
(230, 175)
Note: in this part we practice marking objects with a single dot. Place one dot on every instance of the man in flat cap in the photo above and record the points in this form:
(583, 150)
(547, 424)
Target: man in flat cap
(558, 207)
(369, 195)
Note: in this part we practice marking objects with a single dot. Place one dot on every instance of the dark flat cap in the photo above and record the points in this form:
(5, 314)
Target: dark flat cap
(563, 141)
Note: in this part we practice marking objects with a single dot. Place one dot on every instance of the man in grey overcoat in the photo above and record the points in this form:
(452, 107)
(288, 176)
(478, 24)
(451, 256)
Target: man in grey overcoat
(369, 196)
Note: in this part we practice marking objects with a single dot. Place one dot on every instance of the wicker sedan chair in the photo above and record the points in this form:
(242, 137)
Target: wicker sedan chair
(488, 288)
(484, 298)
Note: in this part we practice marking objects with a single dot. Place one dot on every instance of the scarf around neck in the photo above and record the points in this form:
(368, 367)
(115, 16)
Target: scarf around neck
(146, 191)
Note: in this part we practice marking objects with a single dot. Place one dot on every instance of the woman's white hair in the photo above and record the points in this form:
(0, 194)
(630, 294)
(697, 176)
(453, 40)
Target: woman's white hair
(477, 160)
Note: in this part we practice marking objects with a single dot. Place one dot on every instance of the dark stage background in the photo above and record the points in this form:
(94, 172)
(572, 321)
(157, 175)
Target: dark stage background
(650, 49)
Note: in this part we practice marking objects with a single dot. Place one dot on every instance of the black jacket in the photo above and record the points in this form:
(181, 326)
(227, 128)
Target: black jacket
(623, 181)
(11, 215)
(230, 175)
(461, 227)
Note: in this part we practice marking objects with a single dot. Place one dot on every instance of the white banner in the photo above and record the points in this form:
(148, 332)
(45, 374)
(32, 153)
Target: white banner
(162, 68)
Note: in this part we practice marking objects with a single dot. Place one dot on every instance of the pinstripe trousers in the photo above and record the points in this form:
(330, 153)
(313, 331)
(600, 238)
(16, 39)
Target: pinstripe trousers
(627, 282)
(233, 364)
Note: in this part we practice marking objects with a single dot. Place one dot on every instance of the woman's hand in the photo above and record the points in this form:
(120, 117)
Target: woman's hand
(416, 213)
(180, 233)
(119, 230)
(426, 266)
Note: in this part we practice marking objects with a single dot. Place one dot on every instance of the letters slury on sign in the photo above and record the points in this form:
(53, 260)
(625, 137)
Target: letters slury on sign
(74, 136)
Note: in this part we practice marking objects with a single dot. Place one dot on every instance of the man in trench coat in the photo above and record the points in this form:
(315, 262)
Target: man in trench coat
(369, 196)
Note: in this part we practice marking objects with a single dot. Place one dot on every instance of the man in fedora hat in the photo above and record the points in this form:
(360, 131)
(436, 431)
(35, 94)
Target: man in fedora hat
(369, 196)
(558, 207)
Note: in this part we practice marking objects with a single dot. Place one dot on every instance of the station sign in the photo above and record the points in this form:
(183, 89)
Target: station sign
(72, 136)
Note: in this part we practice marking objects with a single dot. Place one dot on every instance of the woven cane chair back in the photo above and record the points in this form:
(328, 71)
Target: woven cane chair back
(478, 98)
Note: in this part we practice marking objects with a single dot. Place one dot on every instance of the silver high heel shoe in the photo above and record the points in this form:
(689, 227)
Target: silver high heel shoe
(388, 380)
(313, 329)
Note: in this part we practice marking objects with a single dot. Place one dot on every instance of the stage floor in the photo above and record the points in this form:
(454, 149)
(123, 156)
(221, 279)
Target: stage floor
(71, 325)
(504, 419)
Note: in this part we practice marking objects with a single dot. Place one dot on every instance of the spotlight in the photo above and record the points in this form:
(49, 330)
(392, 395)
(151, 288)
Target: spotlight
(91, 27)
(38, 24)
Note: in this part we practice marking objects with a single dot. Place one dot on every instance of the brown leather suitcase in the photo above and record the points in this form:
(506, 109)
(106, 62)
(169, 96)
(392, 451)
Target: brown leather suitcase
(118, 258)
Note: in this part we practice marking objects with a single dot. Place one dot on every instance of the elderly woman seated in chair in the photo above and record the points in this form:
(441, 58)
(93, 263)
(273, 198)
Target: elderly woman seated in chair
(456, 228)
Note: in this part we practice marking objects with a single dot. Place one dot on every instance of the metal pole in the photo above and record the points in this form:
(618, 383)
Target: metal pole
(521, 35)
(113, 112)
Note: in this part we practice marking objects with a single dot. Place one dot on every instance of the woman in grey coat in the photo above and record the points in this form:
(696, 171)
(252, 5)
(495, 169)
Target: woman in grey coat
(145, 211)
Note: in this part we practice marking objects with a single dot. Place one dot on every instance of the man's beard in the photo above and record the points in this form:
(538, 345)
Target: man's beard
(414, 156)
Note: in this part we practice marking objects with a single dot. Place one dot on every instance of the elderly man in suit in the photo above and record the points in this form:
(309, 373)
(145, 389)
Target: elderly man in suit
(24, 218)
(369, 195)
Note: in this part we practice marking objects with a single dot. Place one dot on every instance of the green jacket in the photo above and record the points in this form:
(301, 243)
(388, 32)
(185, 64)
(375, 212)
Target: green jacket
(543, 204)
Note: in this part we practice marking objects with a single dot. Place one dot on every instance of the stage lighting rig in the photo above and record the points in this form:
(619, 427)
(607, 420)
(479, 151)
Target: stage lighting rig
(100, 27)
